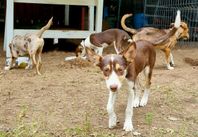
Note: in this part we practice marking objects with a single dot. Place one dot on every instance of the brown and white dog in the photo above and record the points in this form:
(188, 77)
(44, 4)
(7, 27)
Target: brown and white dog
(28, 45)
(138, 57)
(98, 41)
(152, 34)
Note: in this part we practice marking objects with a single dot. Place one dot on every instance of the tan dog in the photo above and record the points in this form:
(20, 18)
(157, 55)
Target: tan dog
(28, 45)
(152, 34)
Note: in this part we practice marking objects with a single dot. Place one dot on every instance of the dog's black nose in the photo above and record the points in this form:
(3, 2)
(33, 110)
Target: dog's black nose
(113, 87)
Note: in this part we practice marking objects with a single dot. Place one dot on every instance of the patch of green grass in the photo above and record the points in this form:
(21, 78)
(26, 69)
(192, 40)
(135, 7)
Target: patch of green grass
(170, 98)
(182, 132)
(149, 118)
(164, 132)
(24, 129)
(86, 130)
(3, 134)
(195, 133)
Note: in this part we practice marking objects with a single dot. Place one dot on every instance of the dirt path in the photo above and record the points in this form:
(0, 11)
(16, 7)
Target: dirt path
(70, 98)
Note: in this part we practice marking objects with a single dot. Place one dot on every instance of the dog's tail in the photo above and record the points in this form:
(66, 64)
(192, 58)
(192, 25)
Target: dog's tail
(130, 30)
(166, 37)
(43, 29)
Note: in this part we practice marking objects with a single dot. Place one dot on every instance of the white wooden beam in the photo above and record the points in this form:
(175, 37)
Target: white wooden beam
(60, 2)
(99, 15)
(9, 27)
(72, 34)
(66, 22)
(91, 18)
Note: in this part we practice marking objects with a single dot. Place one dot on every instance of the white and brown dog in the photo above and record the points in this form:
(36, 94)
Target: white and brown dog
(98, 41)
(138, 57)
(28, 45)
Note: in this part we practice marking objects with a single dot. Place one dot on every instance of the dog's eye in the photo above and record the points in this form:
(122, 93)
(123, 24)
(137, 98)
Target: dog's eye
(120, 71)
(106, 69)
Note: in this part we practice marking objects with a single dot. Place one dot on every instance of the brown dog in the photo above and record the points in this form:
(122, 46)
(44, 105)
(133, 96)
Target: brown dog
(28, 45)
(152, 34)
(138, 57)
(98, 41)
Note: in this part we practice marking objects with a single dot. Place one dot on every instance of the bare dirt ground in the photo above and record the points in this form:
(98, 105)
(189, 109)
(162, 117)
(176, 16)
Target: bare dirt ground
(70, 98)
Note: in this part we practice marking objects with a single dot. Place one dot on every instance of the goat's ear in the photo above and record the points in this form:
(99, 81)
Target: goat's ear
(93, 57)
(129, 53)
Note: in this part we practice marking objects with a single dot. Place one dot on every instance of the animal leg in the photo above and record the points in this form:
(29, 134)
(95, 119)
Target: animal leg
(171, 60)
(148, 74)
(39, 60)
(37, 66)
(10, 63)
(167, 53)
(39, 63)
(29, 66)
(99, 51)
(128, 125)
(110, 109)
(137, 94)
(33, 60)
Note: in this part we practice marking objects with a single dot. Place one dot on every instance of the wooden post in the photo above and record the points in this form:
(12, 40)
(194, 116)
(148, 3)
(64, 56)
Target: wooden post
(91, 18)
(99, 12)
(9, 25)
(66, 15)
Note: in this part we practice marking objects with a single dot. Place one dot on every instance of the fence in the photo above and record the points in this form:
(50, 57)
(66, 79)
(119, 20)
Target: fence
(161, 13)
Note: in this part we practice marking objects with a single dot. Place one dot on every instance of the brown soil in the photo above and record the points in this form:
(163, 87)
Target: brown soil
(68, 93)
(193, 62)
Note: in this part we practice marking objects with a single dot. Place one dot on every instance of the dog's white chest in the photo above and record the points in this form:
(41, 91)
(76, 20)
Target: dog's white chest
(87, 43)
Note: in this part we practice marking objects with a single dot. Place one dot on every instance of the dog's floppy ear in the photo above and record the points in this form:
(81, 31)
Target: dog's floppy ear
(129, 53)
(93, 57)
(79, 50)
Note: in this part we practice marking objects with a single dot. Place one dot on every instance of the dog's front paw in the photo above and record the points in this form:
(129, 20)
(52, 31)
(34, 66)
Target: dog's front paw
(112, 121)
(169, 67)
(128, 126)
(172, 64)
(143, 101)
(39, 73)
(136, 102)
(7, 68)
(28, 67)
